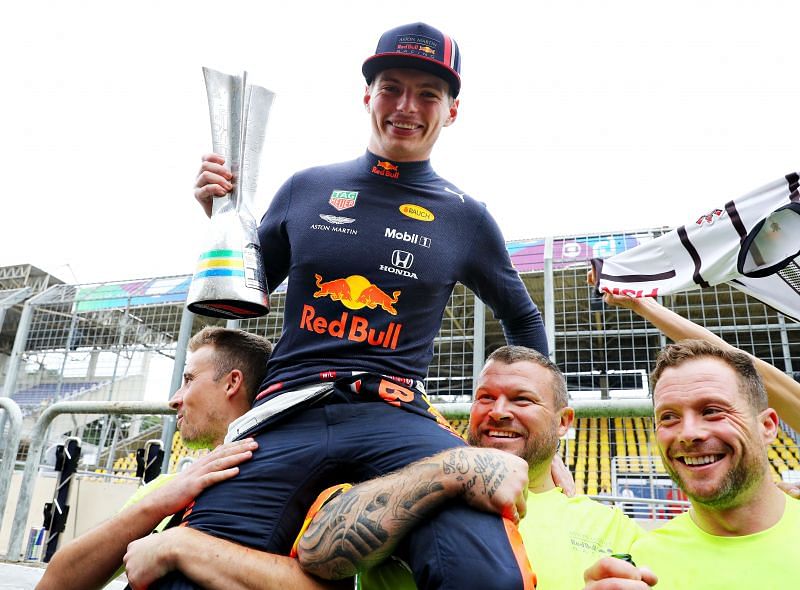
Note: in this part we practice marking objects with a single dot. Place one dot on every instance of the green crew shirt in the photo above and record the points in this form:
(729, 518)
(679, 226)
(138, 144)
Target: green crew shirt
(147, 489)
(563, 536)
(137, 496)
(683, 556)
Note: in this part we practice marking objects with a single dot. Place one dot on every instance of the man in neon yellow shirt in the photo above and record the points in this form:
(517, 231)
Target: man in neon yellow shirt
(713, 428)
(520, 407)
(221, 377)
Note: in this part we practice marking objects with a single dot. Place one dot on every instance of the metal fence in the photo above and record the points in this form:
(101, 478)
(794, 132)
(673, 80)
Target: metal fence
(38, 439)
(611, 453)
(98, 342)
(117, 341)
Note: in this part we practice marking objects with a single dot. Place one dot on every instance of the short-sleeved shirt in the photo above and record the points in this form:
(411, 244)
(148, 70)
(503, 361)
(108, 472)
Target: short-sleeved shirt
(683, 556)
(148, 489)
(563, 536)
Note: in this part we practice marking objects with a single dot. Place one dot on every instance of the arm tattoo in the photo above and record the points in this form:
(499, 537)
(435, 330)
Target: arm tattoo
(362, 527)
(492, 472)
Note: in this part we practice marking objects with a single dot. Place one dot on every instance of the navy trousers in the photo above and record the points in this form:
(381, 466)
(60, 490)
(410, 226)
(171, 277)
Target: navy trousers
(264, 505)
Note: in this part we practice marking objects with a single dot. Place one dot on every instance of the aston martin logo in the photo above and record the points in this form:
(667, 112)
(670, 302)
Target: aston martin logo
(335, 219)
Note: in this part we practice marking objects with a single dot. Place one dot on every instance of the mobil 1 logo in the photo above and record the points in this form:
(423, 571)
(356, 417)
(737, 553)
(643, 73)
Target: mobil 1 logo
(404, 236)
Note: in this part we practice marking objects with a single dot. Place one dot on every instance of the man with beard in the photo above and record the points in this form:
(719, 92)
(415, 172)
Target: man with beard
(520, 407)
(713, 428)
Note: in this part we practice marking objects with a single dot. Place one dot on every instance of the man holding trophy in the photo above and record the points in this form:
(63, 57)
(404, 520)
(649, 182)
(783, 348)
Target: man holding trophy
(372, 249)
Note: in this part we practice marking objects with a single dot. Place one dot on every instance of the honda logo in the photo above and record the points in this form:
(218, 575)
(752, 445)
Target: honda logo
(402, 259)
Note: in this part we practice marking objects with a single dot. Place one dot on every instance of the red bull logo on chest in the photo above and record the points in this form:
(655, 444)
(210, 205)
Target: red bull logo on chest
(354, 292)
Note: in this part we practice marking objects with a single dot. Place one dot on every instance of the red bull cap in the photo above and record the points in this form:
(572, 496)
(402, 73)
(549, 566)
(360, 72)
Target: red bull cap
(418, 46)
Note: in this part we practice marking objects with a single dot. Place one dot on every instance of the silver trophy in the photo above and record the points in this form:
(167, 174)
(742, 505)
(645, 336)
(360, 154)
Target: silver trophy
(229, 280)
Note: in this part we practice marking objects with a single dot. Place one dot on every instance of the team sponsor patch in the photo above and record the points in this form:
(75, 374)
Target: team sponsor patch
(404, 236)
(447, 189)
(341, 200)
(387, 169)
(417, 212)
(335, 224)
(336, 219)
(402, 262)
(416, 45)
(355, 292)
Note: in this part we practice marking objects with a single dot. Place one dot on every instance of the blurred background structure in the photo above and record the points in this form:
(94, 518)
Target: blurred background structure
(124, 343)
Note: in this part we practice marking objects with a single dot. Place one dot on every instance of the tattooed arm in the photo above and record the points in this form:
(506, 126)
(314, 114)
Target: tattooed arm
(362, 527)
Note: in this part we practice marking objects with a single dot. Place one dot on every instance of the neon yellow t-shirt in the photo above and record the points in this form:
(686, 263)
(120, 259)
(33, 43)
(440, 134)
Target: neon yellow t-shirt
(149, 488)
(683, 556)
(392, 574)
(563, 536)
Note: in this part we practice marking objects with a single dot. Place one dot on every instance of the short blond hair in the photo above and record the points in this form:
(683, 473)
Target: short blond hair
(236, 349)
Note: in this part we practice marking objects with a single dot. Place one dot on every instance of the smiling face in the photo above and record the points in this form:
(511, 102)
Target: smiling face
(713, 443)
(408, 109)
(515, 411)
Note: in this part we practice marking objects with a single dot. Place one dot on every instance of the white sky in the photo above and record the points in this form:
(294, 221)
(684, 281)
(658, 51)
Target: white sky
(576, 116)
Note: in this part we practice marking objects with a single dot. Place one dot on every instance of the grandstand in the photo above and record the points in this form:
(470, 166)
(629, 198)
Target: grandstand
(117, 341)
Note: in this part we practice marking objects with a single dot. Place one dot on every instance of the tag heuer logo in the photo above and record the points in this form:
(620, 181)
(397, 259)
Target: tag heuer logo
(343, 199)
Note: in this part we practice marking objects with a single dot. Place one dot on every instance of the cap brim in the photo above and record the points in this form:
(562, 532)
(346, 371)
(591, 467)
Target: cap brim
(377, 63)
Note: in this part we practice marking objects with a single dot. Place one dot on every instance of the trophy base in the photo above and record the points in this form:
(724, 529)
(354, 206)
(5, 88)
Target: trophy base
(229, 309)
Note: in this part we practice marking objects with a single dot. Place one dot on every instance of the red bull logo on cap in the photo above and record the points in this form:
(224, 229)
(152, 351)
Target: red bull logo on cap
(387, 169)
(417, 45)
(354, 292)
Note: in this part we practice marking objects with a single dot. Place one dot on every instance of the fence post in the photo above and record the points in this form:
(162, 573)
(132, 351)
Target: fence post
(168, 431)
(35, 451)
(549, 298)
(10, 454)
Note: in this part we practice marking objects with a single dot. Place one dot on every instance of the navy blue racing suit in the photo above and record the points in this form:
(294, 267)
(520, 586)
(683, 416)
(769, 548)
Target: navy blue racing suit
(372, 250)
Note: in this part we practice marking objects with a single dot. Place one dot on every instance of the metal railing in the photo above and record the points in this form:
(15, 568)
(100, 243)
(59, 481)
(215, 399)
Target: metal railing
(11, 448)
(37, 441)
